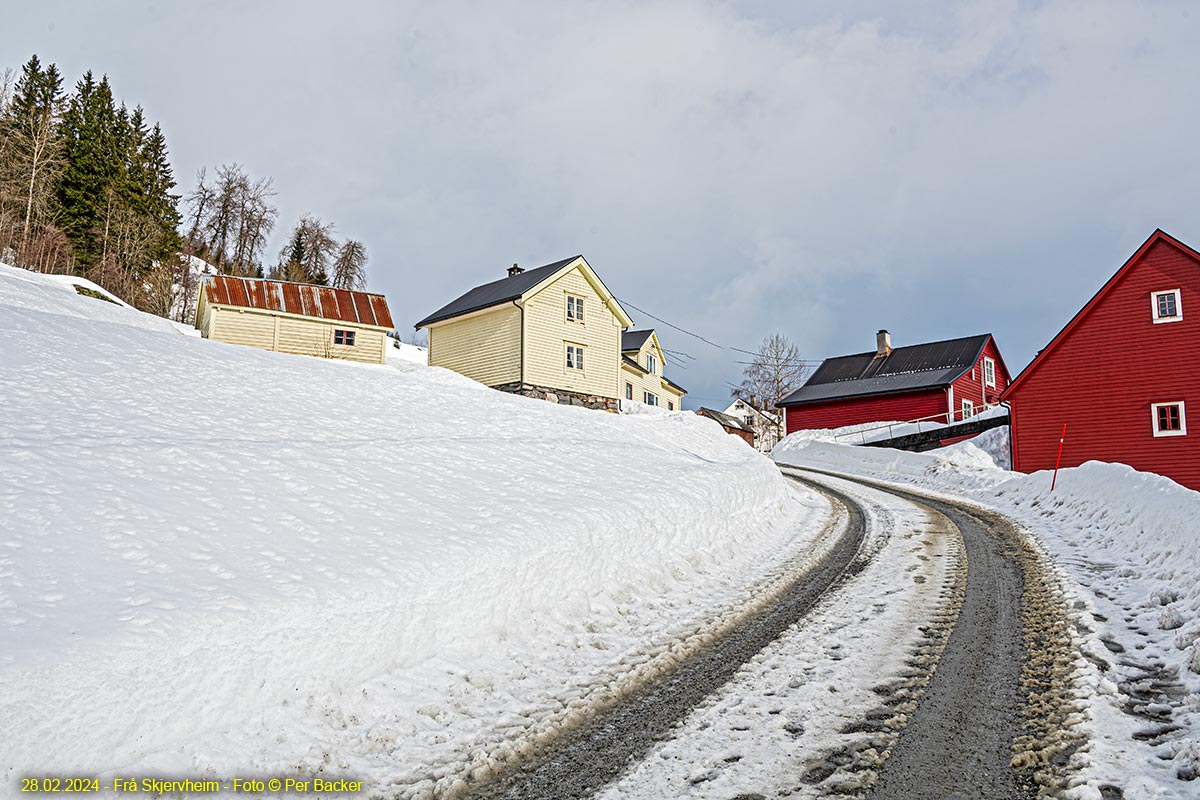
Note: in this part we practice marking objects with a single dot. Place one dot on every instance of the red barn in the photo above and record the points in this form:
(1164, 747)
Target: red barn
(954, 379)
(1123, 375)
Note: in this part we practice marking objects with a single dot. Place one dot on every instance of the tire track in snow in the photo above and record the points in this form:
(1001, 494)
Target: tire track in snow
(1001, 684)
(582, 761)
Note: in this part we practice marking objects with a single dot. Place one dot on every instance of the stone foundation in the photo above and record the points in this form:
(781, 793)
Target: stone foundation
(561, 396)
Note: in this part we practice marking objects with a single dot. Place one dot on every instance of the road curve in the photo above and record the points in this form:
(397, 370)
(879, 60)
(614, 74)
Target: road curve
(958, 743)
(584, 760)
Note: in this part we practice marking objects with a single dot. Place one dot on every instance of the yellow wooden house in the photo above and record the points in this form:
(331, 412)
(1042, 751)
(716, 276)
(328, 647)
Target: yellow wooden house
(642, 378)
(553, 332)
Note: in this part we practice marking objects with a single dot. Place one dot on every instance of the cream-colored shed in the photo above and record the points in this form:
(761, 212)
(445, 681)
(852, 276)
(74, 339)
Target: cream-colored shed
(294, 318)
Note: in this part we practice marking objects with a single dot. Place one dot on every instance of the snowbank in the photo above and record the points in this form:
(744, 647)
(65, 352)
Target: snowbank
(403, 351)
(221, 561)
(1128, 545)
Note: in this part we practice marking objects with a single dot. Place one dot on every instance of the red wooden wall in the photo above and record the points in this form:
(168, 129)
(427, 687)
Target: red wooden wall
(1108, 367)
(855, 411)
(970, 386)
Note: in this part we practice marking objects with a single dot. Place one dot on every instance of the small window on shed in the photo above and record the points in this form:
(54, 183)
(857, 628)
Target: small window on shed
(343, 337)
(1166, 306)
(1168, 419)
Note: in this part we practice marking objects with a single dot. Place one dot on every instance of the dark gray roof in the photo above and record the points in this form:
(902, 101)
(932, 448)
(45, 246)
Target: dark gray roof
(918, 366)
(723, 418)
(495, 293)
(633, 340)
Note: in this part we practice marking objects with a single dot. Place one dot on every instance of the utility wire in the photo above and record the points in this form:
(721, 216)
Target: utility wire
(701, 338)
(671, 325)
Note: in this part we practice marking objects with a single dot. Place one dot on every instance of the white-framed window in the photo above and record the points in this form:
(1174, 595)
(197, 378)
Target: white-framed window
(989, 372)
(575, 356)
(343, 337)
(968, 409)
(628, 391)
(575, 308)
(1168, 419)
(1166, 306)
(649, 398)
(651, 363)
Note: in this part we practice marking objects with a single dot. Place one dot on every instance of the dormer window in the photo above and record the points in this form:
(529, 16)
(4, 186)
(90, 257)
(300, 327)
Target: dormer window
(1166, 306)
(989, 372)
(651, 364)
(575, 308)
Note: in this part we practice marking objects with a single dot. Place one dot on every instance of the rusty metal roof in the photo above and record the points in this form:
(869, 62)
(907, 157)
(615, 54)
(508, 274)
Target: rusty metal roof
(324, 302)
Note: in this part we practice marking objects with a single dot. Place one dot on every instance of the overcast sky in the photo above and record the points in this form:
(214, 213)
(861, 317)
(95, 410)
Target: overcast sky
(736, 169)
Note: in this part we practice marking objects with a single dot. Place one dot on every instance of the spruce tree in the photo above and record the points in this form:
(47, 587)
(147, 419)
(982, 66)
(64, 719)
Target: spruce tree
(89, 128)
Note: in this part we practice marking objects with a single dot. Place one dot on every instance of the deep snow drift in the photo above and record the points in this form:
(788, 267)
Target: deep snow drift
(219, 561)
(1128, 548)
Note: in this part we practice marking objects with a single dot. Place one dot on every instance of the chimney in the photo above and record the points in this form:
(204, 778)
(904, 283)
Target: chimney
(883, 344)
(514, 270)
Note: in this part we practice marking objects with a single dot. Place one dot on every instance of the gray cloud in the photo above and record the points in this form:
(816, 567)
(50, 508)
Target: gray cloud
(737, 169)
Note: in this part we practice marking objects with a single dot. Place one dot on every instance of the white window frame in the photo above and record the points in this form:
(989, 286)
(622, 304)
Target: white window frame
(649, 398)
(1154, 306)
(1154, 407)
(574, 308)
(651, 364)
(989, 372)
(574, 357)
(968, 409)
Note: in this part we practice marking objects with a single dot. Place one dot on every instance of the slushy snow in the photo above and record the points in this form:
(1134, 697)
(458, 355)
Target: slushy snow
(1128, 552)
(220, 561)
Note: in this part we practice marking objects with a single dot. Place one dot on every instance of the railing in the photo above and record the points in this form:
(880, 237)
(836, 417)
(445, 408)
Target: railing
(950, 417)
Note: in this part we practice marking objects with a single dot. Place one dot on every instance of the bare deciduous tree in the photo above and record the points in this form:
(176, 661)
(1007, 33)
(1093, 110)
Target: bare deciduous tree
(776, 371)
(308, 254)
(231, 219)
(350, 266)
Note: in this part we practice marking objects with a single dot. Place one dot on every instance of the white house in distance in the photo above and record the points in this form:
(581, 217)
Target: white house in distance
(764, 424)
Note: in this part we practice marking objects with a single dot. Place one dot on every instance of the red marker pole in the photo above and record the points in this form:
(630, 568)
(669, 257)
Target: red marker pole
(1058, 460)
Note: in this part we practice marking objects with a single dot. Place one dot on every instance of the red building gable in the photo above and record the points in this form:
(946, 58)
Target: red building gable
(953, 379)
(1123, 375)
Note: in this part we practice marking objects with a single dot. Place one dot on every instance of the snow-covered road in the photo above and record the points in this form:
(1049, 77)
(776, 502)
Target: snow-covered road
(907, 677)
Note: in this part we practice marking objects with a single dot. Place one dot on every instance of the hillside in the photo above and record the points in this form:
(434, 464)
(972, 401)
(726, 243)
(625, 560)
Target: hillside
(214, 558)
